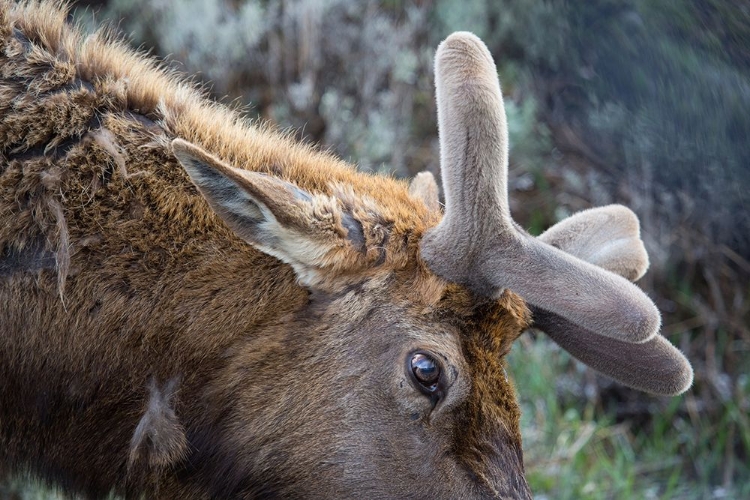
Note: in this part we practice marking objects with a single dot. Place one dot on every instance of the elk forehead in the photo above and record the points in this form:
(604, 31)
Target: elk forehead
(491, 324)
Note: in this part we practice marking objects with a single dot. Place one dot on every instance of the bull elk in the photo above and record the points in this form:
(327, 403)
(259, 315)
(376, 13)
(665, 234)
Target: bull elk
(197, 307)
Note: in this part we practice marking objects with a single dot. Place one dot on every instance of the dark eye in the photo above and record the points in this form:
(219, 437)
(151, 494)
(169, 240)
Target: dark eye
(426, 371)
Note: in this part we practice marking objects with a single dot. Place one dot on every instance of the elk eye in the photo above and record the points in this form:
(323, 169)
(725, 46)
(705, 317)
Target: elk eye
(426, 371)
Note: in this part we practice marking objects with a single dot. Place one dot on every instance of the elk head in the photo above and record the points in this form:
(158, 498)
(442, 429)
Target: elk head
(389, 379)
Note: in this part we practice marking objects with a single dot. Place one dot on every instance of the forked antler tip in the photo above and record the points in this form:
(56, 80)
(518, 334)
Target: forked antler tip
(608, 237)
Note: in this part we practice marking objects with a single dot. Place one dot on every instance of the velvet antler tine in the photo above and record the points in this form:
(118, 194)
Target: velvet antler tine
(654, 366)
(473, 127)
(473, 155)
(610, 238)
(477, 244)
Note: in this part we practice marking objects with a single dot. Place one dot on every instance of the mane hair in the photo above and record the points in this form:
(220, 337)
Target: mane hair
(67, 91)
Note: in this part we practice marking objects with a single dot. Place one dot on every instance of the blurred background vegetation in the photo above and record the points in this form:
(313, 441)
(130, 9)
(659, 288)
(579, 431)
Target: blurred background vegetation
(638, 102)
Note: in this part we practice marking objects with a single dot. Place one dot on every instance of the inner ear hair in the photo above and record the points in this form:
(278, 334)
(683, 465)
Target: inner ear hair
(311, 232)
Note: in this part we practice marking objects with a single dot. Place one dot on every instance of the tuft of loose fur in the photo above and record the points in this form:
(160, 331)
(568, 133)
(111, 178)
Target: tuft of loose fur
(159, 438)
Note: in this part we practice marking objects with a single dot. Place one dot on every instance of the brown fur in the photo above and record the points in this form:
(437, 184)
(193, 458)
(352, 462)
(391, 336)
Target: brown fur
(114, 272)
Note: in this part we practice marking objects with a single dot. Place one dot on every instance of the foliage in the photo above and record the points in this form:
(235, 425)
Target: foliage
(580, 451)
(343, 74)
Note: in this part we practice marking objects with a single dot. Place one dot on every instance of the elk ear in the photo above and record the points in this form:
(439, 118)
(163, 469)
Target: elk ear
(309, 232)
(424, 187)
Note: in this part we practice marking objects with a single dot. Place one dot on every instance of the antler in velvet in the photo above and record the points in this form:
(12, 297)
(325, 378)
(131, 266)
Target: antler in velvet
(610, 238)
(477, 244)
